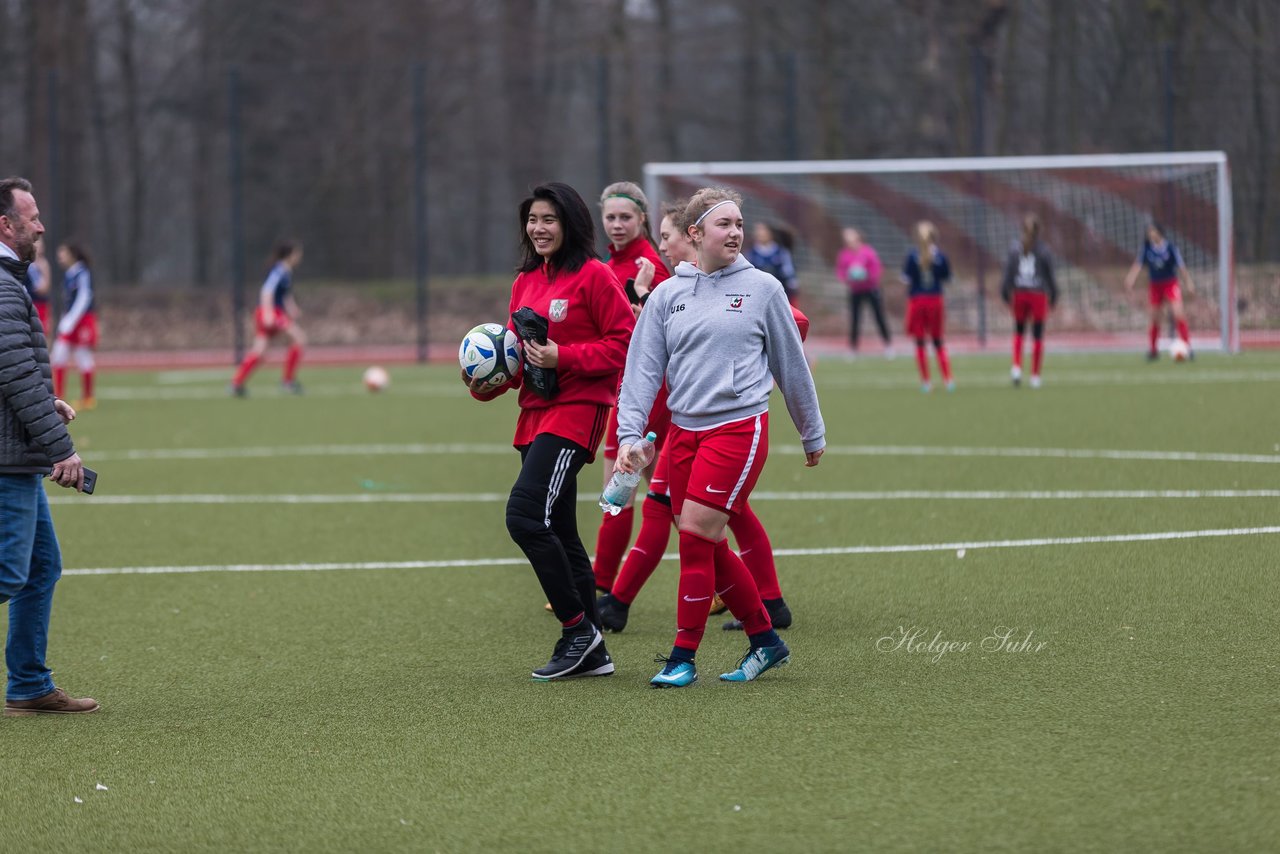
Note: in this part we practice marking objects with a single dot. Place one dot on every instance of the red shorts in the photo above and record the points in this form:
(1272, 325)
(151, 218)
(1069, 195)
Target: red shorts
(270, 321)
(925, 317)
(85, 333)
(717, 467)
(1030, 305)
(42, 312)
(660, 483)
(580, 423)
(659, 422)
(1162, 292)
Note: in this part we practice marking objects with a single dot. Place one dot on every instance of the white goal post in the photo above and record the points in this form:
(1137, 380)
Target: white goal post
(1094, 209)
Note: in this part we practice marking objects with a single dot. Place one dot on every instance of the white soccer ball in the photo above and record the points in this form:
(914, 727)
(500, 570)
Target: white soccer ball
(1179, 351)
(490, 352)
(376, 378)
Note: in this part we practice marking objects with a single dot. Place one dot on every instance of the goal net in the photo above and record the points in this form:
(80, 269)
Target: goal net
(1094, 210)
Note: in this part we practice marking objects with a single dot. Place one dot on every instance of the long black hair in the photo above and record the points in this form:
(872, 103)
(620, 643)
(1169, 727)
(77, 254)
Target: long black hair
(576, 223)
(78, 252)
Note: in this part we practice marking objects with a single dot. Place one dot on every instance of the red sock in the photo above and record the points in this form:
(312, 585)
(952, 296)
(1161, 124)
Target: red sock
(291, 360)
(737, 588)
(943, 362)
(1017, 350)
(922, 362)
(643, 559)
(1154, 335)
(59, 382)
(1037, 356)
(756, 552)
(1184, 332)
(697, 586)
(86, 385)
(611, 542)
(246, 367)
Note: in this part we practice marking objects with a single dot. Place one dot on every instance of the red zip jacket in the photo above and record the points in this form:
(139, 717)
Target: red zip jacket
(591, 321)
(623, 261)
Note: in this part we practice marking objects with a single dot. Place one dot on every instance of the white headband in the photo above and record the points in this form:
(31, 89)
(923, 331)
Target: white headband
(699, 220)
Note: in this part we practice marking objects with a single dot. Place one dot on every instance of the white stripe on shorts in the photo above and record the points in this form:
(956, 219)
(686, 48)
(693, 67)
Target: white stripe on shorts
(746, 470)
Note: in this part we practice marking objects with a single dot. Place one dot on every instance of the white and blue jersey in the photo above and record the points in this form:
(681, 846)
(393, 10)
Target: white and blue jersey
(922, 282)
(276, 287)
(77, 287)
(1162, 261)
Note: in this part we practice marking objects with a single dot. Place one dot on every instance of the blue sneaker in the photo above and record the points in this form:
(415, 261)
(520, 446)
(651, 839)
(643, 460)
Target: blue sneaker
(757, 661)
(676, 674)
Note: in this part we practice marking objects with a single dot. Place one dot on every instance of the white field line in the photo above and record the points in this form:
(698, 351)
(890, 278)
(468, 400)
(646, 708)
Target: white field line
(454, 448)
(763, 495)
(843, 550)
(197, 385)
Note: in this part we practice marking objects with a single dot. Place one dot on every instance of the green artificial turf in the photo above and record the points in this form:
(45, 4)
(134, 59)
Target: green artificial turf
(390, 709)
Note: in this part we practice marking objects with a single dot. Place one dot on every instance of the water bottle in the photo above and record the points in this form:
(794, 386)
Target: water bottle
(623, 485)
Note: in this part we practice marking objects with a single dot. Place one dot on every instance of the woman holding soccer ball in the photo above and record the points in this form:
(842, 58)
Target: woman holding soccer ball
(721, 332)
(589, 324)
(624, 212)
(1164, 266)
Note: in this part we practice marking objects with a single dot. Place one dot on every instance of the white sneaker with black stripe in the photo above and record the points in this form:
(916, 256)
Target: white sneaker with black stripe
(570, 657)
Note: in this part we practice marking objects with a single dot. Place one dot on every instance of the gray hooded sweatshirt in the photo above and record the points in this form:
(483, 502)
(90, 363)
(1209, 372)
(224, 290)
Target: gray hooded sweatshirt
(720, 340)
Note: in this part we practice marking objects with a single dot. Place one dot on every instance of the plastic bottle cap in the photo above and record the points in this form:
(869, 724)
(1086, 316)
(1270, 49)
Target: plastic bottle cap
(651, 437)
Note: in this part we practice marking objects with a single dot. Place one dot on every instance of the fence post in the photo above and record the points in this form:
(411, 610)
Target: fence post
(53, 217)
(235, 178)
(602, 117)
(791, 107)
(979, 150)
(420, 206)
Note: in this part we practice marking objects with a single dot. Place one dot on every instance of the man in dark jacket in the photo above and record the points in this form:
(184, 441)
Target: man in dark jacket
(34, 442)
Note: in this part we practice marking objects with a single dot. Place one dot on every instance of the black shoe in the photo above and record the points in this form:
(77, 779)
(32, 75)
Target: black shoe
(291, 387)
(237, 390)
(779, 615)
(1152, 356)
(598, 662)
(570, 653)
(613, 614)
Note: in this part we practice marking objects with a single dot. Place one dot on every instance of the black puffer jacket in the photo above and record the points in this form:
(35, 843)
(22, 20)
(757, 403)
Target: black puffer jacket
(32, 435)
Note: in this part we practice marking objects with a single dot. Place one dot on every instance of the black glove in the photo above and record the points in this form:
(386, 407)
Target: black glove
(531, 326)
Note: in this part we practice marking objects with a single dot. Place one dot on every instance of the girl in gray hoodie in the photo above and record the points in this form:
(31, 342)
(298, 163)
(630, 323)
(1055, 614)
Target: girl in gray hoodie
(721, 333)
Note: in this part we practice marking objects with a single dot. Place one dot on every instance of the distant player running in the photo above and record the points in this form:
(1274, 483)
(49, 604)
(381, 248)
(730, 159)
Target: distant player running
(926, 271)
(1164, 265)
(1030, 291)
(277, 314)
(722, 311)
(78, 328)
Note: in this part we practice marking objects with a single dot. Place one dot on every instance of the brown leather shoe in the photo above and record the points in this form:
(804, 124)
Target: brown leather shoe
(56, 702)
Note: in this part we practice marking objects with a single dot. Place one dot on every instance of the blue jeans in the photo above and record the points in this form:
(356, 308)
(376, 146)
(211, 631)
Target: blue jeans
(30, 565)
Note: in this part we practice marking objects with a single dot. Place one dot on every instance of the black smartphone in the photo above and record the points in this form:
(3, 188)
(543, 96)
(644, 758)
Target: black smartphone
(90, 480)
(630, 288)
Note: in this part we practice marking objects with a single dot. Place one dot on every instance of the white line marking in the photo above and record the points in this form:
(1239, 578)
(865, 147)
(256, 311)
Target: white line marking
(1058, 380)
(842, 550)
(454, 448)
(495, 497)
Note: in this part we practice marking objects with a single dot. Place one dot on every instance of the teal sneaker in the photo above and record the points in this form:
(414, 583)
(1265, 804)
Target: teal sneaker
(757, 661)
(676, 674)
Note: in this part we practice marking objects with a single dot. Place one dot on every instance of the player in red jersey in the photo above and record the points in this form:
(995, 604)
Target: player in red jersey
(77, 332)
(720, 312)
(277, 314)
(1030, 292)
(589, 324)
(753, 543)
(624, 210)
